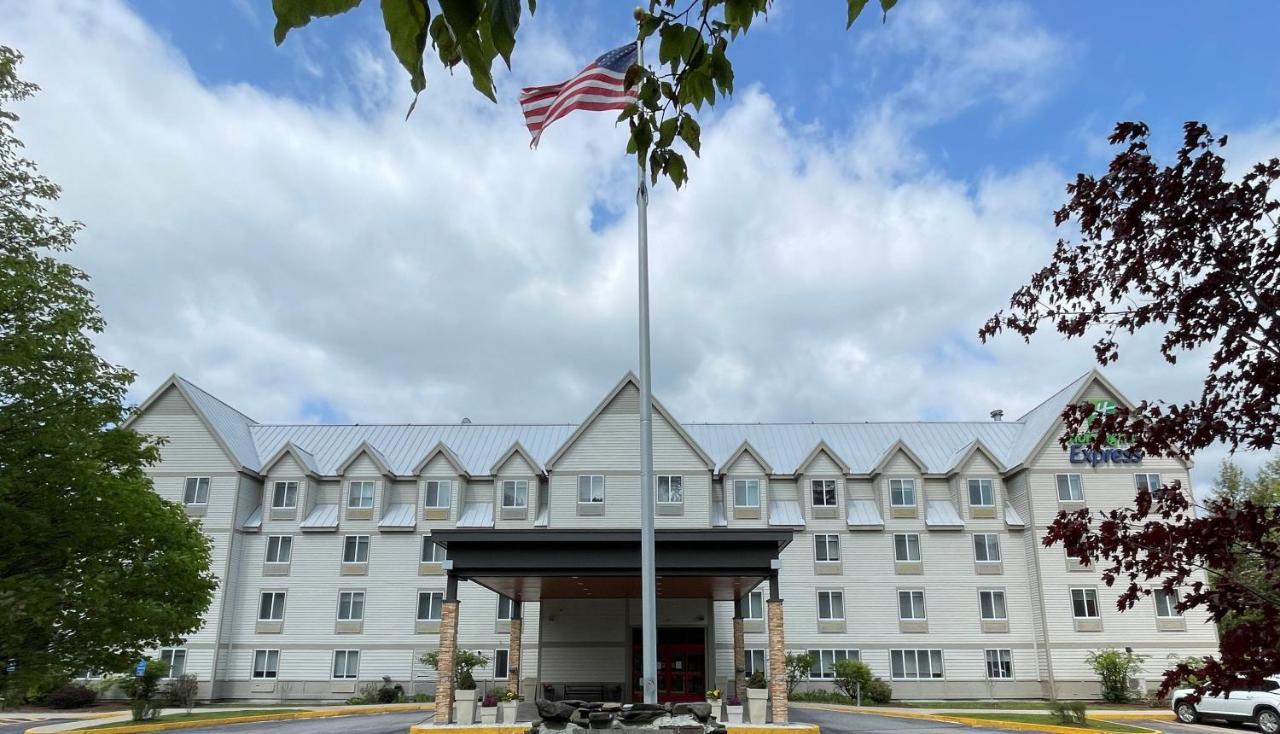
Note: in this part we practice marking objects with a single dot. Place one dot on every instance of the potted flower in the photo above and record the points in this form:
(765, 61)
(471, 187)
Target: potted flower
(489, 709)
(733, 710)
(757, 697)
(713, 700)
(464, 684)
(508, 702)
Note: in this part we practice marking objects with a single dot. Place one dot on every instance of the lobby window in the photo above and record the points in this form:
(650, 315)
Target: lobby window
(902, 492)
(346, 664)
(506, 606)
(670, 489)
(284, 496)
(437, 493)
(271, 606)
(431, 552)
(590, 489)
(824, 662)
(826, 547)
(991, 606)
(906, 547)
(754, 606)
(1000, 664)
(360, 495)
(823, 492)
(196, 491)
(1084, 603)
(515, 493)
(746, 493)
(1167, 604)
(176, 659)
(501, 663)
(266, 663)
(355, 549)
(831, 606)
(1149, 482)
(429, 605)
(986, 548)
(350, 606)
(757, 661)
(915, 664)
(1070, 488)
(279, 548)
(981, 493)
(911, 606)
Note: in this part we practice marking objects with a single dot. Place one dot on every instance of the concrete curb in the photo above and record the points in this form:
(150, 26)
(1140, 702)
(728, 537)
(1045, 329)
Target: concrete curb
(312, 714)
(1025, 726)
(997, 723)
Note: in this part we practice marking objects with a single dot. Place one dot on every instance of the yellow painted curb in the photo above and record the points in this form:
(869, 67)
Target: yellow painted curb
(771, 728)
(469, 728)
(313, 714)
(1154, 715)
(1025, 726)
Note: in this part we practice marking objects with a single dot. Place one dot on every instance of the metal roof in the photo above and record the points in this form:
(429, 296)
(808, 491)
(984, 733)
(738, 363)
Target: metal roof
(254, 521)
(476, 515)
(942, 514)
(864, 514)
(233, 426)
(785, 513)
(718, 517)
(322, 517)
(1012, 518)
(400, 516)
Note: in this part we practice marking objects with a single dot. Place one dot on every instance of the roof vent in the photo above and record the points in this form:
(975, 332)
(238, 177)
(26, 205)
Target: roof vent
(997, 415)
(466, 421)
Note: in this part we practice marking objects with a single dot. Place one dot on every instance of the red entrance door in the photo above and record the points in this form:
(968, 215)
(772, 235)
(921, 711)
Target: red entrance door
(682, 665)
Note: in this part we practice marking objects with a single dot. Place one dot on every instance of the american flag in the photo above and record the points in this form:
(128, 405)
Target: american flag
(597, 87)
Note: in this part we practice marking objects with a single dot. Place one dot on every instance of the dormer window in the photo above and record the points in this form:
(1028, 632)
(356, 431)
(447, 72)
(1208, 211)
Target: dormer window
(591, 489)
(515, 493)
(902, 492)
(437, 493)
(746, 493)
(981, 493)
(360, 495)
(823, 492)
(284, 496)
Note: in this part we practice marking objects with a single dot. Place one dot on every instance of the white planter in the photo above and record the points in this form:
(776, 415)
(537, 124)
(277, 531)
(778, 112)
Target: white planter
(733, 714)
(758, 705)
(508, 709)
(715, 704)
(466, 702)
(488, 714)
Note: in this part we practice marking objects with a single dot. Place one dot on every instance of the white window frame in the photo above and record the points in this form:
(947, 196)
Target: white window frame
(748, 487)
(678, 482)
(834, 597)
(1001, 665)
(981, 483)
(1146, 477)
(985, 541)
(754, 611)
(290, 503)
(820, 485)
(444, 493)
(351, 598)
(172, 653)
(435, 549)
(915, 600)
(1086, 592)
(929, 655)
(993, 594)
(347, 673)
(266, 664)
(283, 547)
(519, 494)
(198, 493)
(1073, 488)
(750, 655)
(355, 542)
(501, 665)
(435, 602)
(592, 497)
(904, 486)
(272, 609)
(357, 501)
(825, 659)
(907, 546)
(1170, 600)
(823, 543)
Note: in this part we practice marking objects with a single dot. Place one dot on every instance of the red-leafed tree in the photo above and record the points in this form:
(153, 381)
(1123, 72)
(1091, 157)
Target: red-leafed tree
(1188, 250)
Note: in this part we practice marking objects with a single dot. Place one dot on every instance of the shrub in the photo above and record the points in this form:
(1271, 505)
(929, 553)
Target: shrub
(852, 677)
(182, 692)
(367, 695)
(464, 661)
(508, 696)
(735, 701)
(489, 700)
(423, 698)
(796, 667)
(70, 696)
(821, 697)
(757, 680)
(1114, 668)
(144, 691)
(1074, 712)
(877, 691)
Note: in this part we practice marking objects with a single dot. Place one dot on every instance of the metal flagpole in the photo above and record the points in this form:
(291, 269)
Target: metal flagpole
(648, 576)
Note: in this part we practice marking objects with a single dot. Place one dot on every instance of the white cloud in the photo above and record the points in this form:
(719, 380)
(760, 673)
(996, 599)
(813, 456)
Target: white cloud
(296, 258)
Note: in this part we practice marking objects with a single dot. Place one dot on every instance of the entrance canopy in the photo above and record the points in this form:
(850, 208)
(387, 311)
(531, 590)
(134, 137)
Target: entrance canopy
(530, 565)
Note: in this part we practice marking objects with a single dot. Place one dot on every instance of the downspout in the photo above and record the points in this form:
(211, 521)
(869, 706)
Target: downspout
(1035, 567)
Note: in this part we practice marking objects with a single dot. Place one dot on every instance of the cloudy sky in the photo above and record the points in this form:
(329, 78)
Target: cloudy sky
(264, 221)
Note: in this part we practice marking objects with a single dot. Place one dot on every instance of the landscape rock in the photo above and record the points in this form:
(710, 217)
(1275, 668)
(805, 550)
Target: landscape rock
(555, 711)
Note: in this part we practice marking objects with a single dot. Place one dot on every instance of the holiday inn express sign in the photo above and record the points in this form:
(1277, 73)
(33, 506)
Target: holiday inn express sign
(1079, 451)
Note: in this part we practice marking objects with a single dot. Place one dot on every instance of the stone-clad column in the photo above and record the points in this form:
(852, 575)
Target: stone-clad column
(513, 648)
(778, 704)
(739, 653)
(446, 651)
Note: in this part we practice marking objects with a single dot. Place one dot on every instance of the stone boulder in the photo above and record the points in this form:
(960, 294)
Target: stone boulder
(699, 711)
(556, 711)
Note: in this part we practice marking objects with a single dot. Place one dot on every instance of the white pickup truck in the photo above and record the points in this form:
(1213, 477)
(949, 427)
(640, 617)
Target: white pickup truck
(1259, 705)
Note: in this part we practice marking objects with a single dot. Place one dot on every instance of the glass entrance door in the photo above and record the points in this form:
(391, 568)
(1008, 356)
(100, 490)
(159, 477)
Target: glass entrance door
(682, 664)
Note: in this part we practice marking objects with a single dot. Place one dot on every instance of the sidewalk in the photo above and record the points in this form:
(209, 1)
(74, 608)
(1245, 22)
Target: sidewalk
(1118, 714)
(251, 713)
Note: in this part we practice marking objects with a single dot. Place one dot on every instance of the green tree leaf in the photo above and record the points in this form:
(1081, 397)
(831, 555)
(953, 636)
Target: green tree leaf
(407, 22)
(691, 134)
(292, 14)
(504, 21)
(855, 9)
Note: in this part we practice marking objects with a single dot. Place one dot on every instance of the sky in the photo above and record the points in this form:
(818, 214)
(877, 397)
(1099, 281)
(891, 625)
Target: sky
(265, 222)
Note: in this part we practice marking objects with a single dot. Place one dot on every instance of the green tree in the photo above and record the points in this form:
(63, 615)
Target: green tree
(1263, 490)
(95, 567)
(692, 40)
(796, 666)
(852, 677)
(1114, 668)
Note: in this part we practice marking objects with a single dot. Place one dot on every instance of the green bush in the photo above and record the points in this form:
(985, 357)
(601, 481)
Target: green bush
(1071, 713)
(70, 696)
(144, 691)
(877, 691)
(852, 677)
(1114, 668)
(821, 697)
(464, 661)
(182, 692)
(796, 667)
(757, 680)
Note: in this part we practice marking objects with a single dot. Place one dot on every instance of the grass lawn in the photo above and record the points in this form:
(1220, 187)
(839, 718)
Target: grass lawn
(1047, 719)
(199, 716)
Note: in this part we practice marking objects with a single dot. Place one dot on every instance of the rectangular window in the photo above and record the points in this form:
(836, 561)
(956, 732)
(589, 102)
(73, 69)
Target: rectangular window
(284, 496)
(196, 491)
(590, 489)
(826, 547)
(176, 659)
(431, 552)
(746, 493)
(501, 658)
(986, 547)
(902, 492)
(515, 493)
(670, 489)
(906, 547)
(437, 493)
(346, 664)
(754, 606)
(271, 606)
(429, 605)
(911, 606)
(824, 662)
(360, 495)
(991, 605)
(1167, 603)
(981, 493)
(1084, 603)
(823, 492)
(506, 606)
(831, 606)
(1149, 482)
(279, 548)
(1000, 664)
(355, 549)
(915, 664)
(266, 663)
(350, 606)
(757, 661)
(1070, 488)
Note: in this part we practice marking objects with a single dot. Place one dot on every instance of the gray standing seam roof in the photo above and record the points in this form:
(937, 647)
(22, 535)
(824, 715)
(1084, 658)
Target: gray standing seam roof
(234, 427)
(864, 514)
(785, 513)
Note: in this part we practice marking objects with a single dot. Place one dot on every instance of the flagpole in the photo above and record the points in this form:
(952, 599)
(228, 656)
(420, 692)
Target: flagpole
(648, 572)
